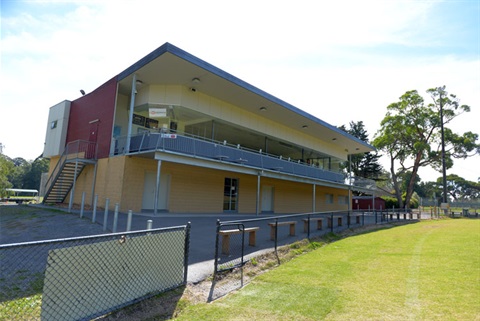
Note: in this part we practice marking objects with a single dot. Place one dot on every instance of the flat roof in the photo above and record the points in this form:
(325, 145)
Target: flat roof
(169, 64)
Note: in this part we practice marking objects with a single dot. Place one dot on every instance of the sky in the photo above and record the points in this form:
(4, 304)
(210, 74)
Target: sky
(340, 61)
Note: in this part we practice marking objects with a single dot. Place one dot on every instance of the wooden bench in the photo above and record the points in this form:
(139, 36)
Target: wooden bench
(456, 215)
(252, 237)
(273, 227)
(339, 221)
(312, 219)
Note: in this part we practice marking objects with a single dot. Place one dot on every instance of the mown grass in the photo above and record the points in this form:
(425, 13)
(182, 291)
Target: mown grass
(424, 271)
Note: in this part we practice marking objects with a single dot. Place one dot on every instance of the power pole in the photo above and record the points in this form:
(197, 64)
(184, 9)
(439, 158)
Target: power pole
(444, 172)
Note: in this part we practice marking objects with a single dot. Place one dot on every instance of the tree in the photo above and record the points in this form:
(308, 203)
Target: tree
(410, 136)
(362, 165)
(6, 166)
(459, 188)
(33, 177)
(20, 169)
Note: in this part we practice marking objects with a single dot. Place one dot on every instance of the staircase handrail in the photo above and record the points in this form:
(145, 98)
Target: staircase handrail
(73, 150)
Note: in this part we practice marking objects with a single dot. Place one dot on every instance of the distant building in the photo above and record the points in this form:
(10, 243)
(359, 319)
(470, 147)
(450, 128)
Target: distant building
(174, 133)
(367, 203)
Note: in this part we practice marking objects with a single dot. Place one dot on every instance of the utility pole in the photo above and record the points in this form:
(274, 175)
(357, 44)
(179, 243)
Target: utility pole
(443, 148)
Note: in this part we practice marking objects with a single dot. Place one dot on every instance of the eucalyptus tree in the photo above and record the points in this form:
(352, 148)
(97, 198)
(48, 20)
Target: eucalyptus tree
(410, 135)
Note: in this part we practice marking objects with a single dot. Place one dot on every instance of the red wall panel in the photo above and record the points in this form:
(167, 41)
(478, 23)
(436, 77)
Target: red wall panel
(99, 104)
(367, 203)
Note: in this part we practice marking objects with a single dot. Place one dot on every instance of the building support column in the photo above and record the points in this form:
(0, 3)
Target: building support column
(157, 187)
(257, 205)
(314, 198)
(130, 114)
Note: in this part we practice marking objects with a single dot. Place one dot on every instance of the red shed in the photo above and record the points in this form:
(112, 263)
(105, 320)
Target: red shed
(366, 202)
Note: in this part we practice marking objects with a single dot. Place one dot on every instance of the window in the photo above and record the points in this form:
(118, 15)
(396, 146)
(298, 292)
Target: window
(343, 199)
(230, 194)
(53, 124)
(329, 198)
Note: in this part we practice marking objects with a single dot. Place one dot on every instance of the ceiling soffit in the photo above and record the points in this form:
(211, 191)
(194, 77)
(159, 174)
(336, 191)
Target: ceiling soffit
(169, 65)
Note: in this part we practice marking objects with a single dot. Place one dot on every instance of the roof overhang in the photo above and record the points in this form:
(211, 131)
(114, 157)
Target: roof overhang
(169, 65)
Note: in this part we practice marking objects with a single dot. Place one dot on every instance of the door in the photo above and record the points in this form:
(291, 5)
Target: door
(230, 194)
(148, 199)
(90, 152)
(267, 199)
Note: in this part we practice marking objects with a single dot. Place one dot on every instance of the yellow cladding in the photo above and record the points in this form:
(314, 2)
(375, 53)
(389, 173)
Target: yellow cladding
(195, 189)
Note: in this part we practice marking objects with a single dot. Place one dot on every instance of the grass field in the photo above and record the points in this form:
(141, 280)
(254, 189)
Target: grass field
(424, 271)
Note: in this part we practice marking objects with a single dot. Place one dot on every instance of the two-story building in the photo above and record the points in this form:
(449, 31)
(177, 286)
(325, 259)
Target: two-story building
(175, 133)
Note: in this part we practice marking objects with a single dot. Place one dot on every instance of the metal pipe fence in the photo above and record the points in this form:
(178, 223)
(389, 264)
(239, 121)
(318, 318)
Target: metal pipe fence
(239, 241)
(85, 277)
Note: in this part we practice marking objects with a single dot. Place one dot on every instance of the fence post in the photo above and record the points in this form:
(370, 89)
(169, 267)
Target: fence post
(115, 218)
(94, 214)
(105, 216)
(187, 250)
(216, 249)
(308, 226)
(331, 223)
(70, 203)
(276, 240)
(82, 205)
(129, 221)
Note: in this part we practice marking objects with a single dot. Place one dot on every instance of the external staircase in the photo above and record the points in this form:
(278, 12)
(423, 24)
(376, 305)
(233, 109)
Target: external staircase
(76, 156)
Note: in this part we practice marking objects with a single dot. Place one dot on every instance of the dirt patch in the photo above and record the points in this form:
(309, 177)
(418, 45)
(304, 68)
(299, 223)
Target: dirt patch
(22, 223)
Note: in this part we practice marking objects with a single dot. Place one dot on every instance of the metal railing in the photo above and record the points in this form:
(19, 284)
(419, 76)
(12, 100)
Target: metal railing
(235, 245)
(224, 152)
(79, 149)
(85, 277)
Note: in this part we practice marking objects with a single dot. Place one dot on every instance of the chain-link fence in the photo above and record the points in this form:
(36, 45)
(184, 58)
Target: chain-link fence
(85, 277)
(239, 241)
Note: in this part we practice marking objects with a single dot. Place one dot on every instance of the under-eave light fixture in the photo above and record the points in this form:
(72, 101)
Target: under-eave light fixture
(263, 108)
(305, 126)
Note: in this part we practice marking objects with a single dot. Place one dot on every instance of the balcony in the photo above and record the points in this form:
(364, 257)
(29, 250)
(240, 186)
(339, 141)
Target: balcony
(217, 151)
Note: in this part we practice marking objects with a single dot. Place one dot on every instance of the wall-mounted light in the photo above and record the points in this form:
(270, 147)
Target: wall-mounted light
(263, 108)
(334, 138)
(139, 82)
(196, 81)
(305, 126)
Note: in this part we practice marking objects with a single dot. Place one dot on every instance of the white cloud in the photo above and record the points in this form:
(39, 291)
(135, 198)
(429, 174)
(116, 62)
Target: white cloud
(334, 59)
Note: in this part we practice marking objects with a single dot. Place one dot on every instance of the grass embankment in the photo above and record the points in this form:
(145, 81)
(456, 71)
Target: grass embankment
(424, 271)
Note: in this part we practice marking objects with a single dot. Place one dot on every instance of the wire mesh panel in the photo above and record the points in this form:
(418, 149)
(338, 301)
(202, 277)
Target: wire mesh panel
(81, 278)
(230, 246)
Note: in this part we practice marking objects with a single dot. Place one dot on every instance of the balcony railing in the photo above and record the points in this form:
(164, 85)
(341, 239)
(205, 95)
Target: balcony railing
(196, 147)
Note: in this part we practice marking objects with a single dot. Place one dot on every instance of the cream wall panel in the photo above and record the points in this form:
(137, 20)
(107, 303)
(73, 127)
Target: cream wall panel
(247, 198)
(110, 180)
(134, 180)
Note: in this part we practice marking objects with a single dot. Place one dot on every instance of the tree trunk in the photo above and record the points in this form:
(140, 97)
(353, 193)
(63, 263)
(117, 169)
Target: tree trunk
(411, 184)
(398, 193)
